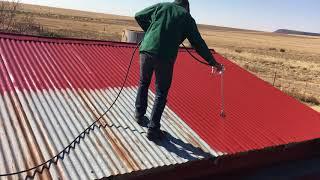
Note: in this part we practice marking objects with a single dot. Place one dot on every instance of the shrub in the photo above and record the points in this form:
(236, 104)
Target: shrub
(10, 22)
(238, 50)
(312, 100)
(304, 98)
(50, 34)
(272, 49)
(282, 50)
(8, 13)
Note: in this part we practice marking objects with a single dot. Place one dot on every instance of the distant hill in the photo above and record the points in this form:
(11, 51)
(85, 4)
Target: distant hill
(287, 31)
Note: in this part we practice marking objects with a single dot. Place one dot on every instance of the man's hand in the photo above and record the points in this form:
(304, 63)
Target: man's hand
(218, 66)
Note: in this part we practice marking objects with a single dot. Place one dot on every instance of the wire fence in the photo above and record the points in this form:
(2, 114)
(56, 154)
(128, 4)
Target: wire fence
(302, 90)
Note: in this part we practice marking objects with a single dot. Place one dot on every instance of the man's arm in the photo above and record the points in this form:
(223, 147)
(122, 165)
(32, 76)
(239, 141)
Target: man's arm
(144, 17)
(198, 43)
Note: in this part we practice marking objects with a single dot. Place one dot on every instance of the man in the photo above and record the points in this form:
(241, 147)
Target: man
(166, 25)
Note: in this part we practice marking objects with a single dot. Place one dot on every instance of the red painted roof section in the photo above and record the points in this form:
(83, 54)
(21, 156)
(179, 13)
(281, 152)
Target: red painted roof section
(258, 115)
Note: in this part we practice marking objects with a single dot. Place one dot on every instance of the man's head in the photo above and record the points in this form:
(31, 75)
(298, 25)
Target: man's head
(183, 3)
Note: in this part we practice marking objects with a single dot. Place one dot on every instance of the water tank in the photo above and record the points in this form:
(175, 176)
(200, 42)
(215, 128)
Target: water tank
(132, 36)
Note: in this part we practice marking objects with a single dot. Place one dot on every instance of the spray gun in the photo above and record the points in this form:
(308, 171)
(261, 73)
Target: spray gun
(214, 71)
(221, 73)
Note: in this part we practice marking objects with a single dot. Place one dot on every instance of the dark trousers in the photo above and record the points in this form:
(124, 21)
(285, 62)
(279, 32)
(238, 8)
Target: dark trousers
(163, 70)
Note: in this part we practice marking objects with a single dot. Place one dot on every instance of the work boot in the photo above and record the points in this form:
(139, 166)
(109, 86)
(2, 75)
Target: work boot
(155, 135)
(142, 121)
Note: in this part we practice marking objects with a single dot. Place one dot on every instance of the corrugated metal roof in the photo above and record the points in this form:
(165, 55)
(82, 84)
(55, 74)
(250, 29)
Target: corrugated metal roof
(50, 93)
(258, 115)
(52, 89)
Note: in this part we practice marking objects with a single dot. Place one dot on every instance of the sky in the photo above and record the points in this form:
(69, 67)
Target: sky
(267, 15)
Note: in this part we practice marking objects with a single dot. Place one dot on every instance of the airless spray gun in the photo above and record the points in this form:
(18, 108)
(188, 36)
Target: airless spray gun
(214, 71)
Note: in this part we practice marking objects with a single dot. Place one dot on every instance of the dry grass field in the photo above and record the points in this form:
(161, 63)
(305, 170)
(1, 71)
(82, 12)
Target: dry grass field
(294, 59)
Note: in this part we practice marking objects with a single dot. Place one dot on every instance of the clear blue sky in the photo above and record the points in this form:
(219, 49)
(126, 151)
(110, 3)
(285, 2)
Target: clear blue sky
(267, 15)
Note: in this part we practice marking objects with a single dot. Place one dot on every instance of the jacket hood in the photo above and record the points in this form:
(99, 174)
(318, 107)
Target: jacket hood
(183, 3)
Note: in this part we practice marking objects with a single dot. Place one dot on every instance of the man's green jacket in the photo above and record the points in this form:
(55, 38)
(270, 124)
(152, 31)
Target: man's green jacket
(167, 25)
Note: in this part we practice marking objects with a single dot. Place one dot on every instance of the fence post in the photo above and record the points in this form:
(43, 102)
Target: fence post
(305, 89)
(274, 80)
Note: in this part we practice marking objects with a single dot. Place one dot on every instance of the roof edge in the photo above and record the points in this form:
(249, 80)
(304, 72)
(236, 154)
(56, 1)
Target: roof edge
(235, 164)
(36, 38)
